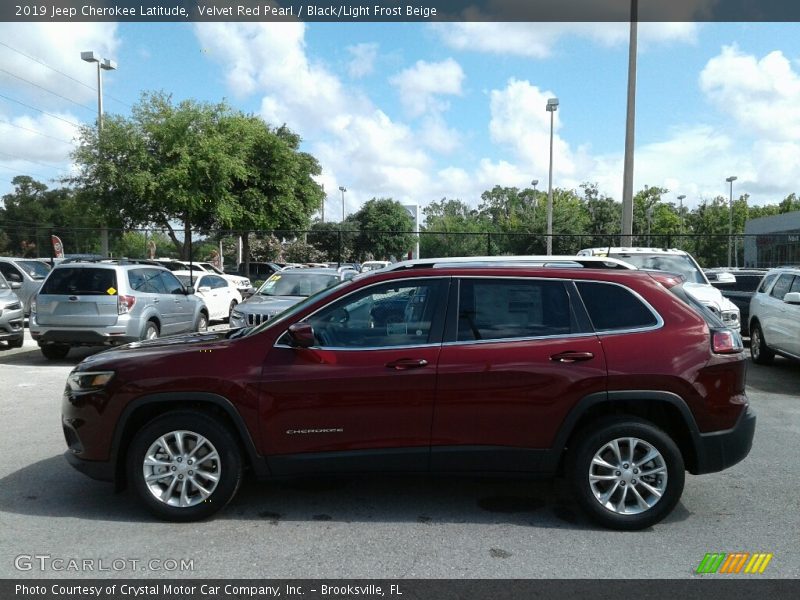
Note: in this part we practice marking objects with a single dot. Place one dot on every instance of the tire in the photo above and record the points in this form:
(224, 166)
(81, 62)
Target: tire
(231, 308)
(55, 351)
(165, 497)
(16, 343)
(151, 331)
(607, 500)
(759, 351)
(202, 322)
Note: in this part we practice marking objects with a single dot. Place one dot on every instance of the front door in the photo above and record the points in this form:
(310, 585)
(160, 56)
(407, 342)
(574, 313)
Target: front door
(362, 398)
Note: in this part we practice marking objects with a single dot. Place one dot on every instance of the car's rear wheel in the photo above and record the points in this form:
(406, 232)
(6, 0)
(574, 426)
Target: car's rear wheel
(759, 351)
(626, 473)
(150, 331)
(185, 466)
(202, 322)
(55, 351)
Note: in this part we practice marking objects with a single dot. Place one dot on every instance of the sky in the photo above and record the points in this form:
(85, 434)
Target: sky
(418, 112)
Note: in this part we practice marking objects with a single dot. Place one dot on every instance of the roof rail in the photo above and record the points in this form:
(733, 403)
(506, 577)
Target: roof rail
(564, 262)
(111, 261)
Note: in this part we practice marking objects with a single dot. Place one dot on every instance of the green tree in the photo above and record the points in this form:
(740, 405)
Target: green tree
(383, 230)
(167, 163)
(329, 239)
(452, 228)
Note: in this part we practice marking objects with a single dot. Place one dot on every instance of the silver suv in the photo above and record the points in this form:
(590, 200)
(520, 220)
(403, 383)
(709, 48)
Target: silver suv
(25, 275)
(775, 316)
(108, 302)
(11, 329)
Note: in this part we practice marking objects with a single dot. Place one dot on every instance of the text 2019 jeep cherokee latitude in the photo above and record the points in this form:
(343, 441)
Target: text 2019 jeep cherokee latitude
(604, 374)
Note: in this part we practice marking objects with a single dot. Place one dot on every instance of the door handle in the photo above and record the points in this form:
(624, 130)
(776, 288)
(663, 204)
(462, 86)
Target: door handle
(155, 300)
(403, 364)
(571, 357)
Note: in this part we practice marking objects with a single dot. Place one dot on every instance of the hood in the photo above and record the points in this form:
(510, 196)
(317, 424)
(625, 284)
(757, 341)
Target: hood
(259, 304)
(7, 296)
(708, 294)
(186, 342)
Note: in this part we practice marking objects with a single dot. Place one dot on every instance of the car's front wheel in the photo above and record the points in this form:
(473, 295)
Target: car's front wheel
(184, 465)
(202, 322)
(626, 473)
(759, 351)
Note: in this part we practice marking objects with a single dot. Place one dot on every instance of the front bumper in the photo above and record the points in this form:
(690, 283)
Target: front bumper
(722, 449)
(101, 470)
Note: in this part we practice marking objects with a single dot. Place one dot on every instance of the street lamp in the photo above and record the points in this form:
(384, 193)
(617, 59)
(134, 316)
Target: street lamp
(103, 64)
(552, 107)
(730, 180)
(343, 190)
(680, 210)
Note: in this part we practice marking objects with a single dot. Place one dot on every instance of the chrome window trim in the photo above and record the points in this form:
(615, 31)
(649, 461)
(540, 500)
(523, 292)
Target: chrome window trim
(597, 332)
(366, 287)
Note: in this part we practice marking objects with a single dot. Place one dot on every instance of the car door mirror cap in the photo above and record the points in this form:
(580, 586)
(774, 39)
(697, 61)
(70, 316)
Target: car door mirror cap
(301, 335)
(792, 298)
(15, 285)
(204, 288)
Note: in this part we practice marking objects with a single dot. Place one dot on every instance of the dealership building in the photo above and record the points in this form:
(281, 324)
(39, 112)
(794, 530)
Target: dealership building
(772, 241)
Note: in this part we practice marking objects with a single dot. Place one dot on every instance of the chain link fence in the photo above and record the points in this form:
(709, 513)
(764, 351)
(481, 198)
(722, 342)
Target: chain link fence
(228, 249)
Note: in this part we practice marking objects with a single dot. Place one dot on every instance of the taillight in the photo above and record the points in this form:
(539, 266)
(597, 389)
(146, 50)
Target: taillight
(725, 341)
(125, 304)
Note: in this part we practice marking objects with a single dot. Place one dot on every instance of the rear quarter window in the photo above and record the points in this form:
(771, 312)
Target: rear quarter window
(81, 281)
(613, 307)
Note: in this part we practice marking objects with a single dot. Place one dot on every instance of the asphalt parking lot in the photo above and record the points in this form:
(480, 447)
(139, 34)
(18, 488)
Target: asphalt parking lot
(381, 527)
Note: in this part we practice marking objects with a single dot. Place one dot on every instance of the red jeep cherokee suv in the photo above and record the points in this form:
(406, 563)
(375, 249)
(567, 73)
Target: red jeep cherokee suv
(613, 376)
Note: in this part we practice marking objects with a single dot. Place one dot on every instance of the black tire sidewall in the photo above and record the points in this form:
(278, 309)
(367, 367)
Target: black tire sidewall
(222, 439)
(592, 439)
(765, 355)
(55, 351)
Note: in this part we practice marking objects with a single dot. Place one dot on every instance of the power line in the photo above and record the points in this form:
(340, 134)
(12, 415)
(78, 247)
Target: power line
(44, 112)
(34, 162)
(17, 171)
(76, 103)
(41, 62)
(34, 131)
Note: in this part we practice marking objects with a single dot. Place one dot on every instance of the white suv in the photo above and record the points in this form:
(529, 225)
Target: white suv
(678, 261)
(775, 316)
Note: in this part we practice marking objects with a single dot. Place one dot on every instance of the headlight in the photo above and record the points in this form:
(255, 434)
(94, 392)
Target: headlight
(86, 381)
(730, 317)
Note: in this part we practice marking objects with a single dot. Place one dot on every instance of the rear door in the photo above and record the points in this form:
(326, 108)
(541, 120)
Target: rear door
(174, 300)
(516, 358)
(79, 297)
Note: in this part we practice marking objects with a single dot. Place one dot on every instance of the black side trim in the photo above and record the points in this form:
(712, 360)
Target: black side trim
(257, 462)
(501, 459)
(585, 403)
(352, 461)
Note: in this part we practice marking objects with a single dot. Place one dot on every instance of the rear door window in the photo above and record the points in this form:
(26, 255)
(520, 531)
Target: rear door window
(91, 281)
(496, 309)
(170, 283)
(767, 282)
(613, 307)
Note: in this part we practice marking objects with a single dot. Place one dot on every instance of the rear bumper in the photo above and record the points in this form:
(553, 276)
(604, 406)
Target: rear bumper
(81, 337)
(722, 449)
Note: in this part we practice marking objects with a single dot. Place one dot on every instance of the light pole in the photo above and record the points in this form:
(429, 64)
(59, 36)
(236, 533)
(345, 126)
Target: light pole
(630, 127)
(324, 198)
(343, 190)
(103, 64)
(534, 183)
(552, 107)
(680, 211)
(730, 180)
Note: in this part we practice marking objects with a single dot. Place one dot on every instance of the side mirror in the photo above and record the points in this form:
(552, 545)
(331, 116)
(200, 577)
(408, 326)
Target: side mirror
(15, 285)
(792, 298)
(190, 290)
(204, 288)
(301, 335)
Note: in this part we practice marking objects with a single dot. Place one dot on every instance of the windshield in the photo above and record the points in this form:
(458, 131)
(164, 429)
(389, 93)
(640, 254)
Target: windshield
(35, 268)
(674, 263)
(288, 313)
(297, 284)
(210, 267)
